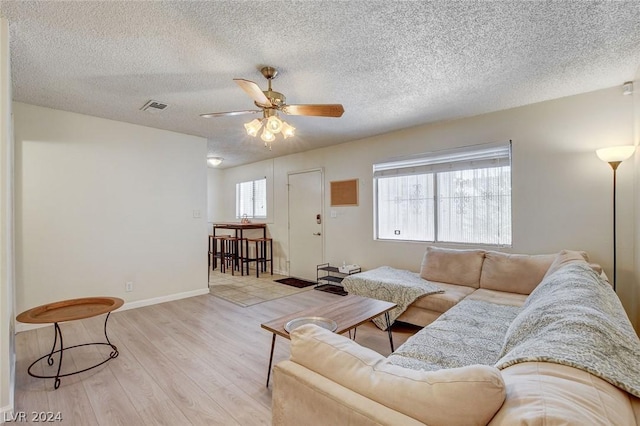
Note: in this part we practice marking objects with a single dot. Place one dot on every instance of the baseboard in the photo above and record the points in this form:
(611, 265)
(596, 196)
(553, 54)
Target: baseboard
(275, 272)
(129, 305)
(163, 299)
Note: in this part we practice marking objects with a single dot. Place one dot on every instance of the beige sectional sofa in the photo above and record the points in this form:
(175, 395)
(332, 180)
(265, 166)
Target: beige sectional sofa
(488, 275)
(331, 380)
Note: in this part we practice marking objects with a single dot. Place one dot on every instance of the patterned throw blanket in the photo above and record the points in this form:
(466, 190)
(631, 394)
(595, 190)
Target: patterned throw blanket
(393, 285)
(574, 318)
(470, 333)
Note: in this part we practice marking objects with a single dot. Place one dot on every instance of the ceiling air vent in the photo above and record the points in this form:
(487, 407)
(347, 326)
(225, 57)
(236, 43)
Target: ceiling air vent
(154, 107)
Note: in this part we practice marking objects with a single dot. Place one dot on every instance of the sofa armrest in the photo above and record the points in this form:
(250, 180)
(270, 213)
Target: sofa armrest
(303, 397)
(457, 396)
(542, 393)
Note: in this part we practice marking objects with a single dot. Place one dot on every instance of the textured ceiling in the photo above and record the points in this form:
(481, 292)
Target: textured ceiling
(391, 64)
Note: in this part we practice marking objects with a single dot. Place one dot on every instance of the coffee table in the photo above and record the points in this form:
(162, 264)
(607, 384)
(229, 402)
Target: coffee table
(348, 313)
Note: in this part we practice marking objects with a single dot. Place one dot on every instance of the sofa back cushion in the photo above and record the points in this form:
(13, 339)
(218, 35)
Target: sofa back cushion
(461, 267)
(458, 396)
(514, 273)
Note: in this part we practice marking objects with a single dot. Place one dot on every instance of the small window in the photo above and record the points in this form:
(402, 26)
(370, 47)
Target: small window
(251, 199)
(457, 196)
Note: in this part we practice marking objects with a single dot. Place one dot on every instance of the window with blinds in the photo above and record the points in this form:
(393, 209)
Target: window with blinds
(460, 196)
(251, 199)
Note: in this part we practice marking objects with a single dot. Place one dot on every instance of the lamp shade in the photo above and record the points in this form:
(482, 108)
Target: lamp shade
(267, 136)
(214, 161)
(253, 126)
(615, 153)
(274, 124)
(287, 130)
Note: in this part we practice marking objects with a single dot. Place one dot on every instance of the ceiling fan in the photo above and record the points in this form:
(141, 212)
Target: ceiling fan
(270, 102)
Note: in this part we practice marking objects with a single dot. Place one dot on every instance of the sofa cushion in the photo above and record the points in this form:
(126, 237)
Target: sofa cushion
(514, 273)
(540, 393)
(451, 266)
(498, 297)
(432, 397)
(442, 302)
(418, 316)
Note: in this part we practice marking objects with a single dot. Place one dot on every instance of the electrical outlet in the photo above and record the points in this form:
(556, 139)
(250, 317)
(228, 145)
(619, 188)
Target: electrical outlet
(128, 286)
(196, 214)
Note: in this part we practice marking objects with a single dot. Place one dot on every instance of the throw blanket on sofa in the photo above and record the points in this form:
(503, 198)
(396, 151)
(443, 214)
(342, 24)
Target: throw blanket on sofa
(574, 318)
(470, 333)
(393, 285)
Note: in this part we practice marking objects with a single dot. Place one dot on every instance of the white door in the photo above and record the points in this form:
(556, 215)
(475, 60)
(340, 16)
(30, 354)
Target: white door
(306, 239)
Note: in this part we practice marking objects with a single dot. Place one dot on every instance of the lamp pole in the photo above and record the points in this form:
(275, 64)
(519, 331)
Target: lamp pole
(614, 156)
(614, 165)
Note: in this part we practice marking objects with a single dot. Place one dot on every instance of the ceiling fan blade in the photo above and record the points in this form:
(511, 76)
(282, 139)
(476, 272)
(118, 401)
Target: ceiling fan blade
(230, 113)
(253, 90)
(321, 110)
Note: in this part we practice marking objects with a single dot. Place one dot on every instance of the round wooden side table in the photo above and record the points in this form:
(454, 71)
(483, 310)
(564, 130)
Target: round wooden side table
(70, 310)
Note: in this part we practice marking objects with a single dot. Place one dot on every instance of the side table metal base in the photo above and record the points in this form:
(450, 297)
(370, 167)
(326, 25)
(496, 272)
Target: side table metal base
(50, 356)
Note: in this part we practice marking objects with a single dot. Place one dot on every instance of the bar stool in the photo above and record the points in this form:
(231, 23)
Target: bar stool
(263, 254)
(234, 254)
(210, 256)
(217, 251)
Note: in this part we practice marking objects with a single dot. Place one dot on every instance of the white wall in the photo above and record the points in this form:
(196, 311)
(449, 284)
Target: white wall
(100, 203)
(7, 342)
(214, 197)
(561, 190)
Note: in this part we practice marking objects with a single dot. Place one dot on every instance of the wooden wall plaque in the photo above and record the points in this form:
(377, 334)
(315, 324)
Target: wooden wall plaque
(344, 192)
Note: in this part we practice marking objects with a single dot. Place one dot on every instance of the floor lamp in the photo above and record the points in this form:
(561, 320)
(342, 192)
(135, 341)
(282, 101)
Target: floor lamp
(614, 156)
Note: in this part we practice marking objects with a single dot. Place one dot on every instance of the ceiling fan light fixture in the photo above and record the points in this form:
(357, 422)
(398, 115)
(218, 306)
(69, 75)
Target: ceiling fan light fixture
(274, 124)
(270, 103)
(287, 130)
(253, 126)
(267, 136)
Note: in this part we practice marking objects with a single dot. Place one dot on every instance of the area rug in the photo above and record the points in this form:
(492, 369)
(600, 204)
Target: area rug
(295, 282)
(333, 289)
(248, 291)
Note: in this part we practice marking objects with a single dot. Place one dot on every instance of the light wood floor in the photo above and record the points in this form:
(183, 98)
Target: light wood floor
(201, 361)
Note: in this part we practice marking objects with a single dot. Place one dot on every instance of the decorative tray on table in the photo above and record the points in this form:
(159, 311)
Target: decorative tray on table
(68, 310)
(327, 323)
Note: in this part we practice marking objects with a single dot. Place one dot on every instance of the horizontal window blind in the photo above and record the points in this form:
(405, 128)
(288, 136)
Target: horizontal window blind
(460, 195)
(260, 198)
(251, 199)
(465, 158)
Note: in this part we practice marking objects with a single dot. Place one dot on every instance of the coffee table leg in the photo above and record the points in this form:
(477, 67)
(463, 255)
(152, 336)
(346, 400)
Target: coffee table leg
(386, 317)
(273, 344)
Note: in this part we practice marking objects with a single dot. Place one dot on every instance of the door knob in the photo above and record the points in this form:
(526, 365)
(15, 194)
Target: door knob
(316, 233)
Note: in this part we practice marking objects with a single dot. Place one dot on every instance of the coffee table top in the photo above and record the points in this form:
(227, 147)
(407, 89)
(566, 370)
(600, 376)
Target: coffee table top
(69, 310)
(348, 312)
